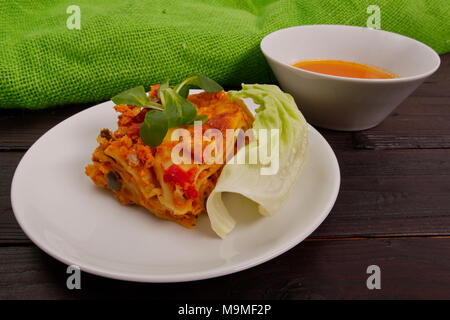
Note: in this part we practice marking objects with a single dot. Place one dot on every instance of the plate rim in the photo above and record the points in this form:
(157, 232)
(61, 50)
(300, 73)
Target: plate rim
(181, 277)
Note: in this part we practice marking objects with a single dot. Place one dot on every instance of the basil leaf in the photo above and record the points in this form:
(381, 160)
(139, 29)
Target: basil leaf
(136, 97)
(172, 108)
(113, 181)
(154, 128)
(197, 80)
(184, 90)
(177, 109)
(189, 111)
(163, 87)
(207, 84)
(203, 118)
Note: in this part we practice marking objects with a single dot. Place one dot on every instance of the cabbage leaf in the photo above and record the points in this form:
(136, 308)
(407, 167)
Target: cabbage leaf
(277, 110)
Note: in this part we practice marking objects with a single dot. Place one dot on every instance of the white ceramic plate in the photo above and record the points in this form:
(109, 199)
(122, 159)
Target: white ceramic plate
(67, 216)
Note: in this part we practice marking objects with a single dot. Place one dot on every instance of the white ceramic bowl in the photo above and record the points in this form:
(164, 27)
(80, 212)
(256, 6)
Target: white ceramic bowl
(341, 103)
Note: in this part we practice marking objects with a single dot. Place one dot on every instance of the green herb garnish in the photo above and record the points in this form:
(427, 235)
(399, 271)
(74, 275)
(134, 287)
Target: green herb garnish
(154, 128)
(163, 87)
(136, 97)
(197, 81)
(174, 110)
(179, 110)
(202, 118)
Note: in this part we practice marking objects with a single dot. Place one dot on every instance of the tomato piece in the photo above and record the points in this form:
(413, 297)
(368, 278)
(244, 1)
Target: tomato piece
(139, 118)
(191, 192)
(133, 130)
(175, 175)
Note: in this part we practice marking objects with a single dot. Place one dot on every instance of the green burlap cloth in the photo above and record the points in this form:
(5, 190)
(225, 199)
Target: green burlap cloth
(124, 43)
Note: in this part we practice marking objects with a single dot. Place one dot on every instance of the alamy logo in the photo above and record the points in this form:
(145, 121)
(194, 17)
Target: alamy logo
(211, 147)
(374, 20)
(374, 280)
(74, 280)
(74, 20)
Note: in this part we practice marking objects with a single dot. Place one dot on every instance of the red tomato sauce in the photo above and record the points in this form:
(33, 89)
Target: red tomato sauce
(177, 176)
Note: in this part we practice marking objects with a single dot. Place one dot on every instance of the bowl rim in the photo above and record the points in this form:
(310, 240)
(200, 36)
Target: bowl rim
(327, 76)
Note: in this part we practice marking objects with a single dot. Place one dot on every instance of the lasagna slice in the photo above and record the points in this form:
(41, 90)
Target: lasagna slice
(147, 176)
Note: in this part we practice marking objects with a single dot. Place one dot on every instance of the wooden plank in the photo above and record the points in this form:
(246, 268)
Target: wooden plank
(398, 192)
(19, 129)
(410, 269)
(338, 140)
(400, 163)
(383, 193)
(10, 232)
(387, 208)
(410, 127)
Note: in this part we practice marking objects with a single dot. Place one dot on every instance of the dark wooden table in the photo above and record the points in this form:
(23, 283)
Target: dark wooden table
(393, 210)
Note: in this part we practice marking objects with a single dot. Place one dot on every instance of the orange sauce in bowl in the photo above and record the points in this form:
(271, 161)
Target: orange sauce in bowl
(343, 69)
